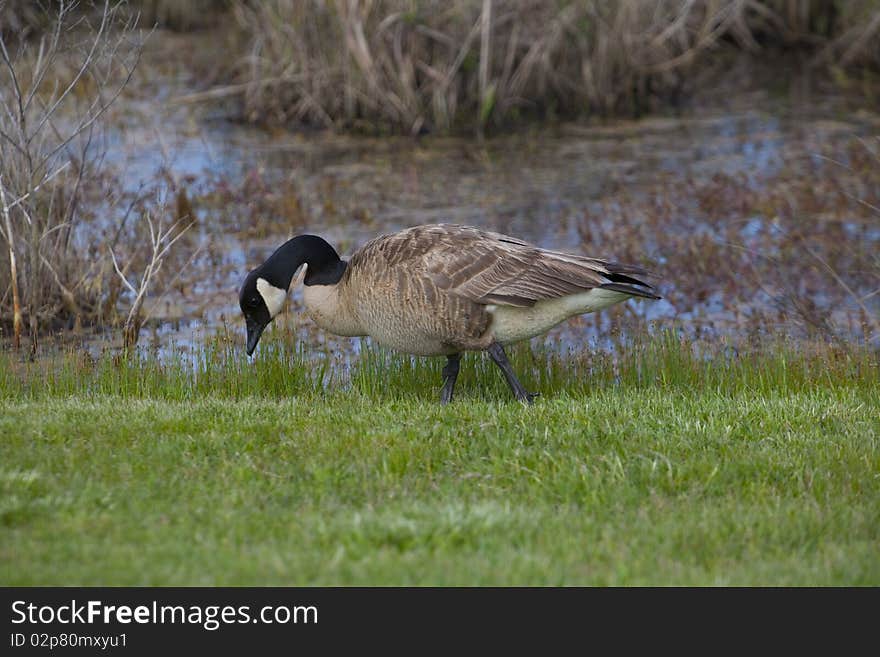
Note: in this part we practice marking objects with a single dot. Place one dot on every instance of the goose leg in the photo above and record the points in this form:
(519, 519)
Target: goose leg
(450, 374)
(496, 351)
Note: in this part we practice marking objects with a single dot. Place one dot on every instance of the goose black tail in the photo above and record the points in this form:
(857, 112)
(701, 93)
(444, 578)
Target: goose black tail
(632, 290)
(622, 281)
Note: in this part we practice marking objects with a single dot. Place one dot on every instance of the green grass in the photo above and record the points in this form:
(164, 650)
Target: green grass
(661, 466)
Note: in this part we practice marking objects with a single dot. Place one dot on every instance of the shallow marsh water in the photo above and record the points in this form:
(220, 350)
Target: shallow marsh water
(725, 204)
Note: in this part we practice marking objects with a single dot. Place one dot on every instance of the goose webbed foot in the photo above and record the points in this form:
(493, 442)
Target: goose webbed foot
(450, 374)
(496, 352)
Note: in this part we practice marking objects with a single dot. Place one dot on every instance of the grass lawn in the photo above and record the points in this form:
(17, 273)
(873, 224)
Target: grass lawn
(662, 469)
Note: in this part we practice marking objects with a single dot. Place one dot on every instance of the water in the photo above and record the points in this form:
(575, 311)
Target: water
(705, 199)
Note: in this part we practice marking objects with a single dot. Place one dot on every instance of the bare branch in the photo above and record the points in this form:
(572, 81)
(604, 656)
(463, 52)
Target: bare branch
(97, 114)
(82, 69)
(16, 302)
(46, 179)
(174, 279)
(161, 241)
(121, 275)
(66, 294)
(43, 67)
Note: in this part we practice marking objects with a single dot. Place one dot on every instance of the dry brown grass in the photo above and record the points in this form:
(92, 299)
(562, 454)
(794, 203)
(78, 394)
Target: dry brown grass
(403, 66)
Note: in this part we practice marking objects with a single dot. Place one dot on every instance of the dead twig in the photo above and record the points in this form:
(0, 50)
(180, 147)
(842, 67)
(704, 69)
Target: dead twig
(13, 270)
(161, 241)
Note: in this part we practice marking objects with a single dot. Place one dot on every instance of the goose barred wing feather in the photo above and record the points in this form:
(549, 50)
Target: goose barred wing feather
(490, 268)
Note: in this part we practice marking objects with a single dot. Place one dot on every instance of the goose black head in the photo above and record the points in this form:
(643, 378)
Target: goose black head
(264, 291)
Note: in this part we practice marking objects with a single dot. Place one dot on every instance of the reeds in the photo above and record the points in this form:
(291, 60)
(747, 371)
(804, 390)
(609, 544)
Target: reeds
(405, 66)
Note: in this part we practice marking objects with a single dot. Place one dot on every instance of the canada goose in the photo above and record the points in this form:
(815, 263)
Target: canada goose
(438, 290)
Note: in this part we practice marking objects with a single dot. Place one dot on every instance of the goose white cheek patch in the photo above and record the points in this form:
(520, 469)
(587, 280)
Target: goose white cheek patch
(274, 297)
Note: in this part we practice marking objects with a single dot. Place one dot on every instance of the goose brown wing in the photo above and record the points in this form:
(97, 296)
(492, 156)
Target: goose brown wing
(517, 275)
(487, 267)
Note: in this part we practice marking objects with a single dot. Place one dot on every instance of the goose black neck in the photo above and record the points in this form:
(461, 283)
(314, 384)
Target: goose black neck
(324, 264)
